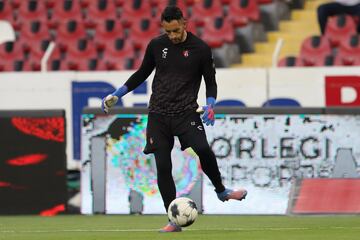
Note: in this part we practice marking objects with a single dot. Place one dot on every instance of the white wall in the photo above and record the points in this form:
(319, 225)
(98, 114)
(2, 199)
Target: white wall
(250, 86)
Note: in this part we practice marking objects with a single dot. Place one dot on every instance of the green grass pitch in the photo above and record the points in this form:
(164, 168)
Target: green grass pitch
(208, 227)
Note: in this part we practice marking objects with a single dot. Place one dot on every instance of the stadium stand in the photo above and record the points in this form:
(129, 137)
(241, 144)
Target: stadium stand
(142, 31)
(249, 9)
(132, 11)
(6, 11)
(33, 32)
(103, 10)
(31, 10)
(242, 33)
(65, 10)
(11, 56)
(107, 31)
(68, 32)
(219, 35)
(203, 11)
(119, 55)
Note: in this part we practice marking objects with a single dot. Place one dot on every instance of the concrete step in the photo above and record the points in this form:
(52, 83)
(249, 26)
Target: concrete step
(299, 26)
(308, 15)
(287, 37)
(287, 48)
(256, 60)
(313, 5)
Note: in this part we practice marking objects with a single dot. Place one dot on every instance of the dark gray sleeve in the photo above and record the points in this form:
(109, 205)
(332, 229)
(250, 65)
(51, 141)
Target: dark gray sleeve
(147, 66)
(209, 72)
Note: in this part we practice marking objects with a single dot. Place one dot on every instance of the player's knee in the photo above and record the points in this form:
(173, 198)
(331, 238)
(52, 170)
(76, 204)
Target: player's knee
(202, 149)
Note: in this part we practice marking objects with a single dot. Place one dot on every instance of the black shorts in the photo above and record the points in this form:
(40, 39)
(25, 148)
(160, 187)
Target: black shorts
(161, 130)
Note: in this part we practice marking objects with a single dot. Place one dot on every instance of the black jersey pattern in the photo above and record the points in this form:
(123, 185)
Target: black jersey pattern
(178, 72)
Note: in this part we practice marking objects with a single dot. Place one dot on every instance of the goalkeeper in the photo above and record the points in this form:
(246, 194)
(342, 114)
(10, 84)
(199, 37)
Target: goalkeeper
(180, 59)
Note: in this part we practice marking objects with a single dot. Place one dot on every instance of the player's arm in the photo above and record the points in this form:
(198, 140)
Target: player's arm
(137, 78)
(208, 69)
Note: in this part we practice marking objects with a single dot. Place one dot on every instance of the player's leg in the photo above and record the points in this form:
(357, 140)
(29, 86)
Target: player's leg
(166, 183)
(164, 176)
(160, 142)
(192, 134)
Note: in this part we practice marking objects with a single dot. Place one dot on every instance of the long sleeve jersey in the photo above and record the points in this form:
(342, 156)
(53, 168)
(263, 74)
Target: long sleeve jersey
(178, 72)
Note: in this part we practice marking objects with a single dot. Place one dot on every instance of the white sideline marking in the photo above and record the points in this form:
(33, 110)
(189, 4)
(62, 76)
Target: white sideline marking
(186, 230)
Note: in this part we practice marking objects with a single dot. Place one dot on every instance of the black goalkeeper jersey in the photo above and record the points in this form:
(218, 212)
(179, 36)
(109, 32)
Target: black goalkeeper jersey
(178, 72)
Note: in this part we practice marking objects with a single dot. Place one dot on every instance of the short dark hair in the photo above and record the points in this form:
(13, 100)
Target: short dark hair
(170, 13)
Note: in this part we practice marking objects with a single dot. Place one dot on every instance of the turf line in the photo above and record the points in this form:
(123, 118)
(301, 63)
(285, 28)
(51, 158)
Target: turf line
(186, 230)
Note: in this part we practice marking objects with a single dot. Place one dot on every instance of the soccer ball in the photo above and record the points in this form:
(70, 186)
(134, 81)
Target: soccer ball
(182, 211)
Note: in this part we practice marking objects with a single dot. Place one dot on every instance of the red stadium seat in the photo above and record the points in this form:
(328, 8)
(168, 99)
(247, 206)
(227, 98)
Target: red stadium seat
(114, 63)
(118, 3)
(142, 31)
(290, 61)
(217, 32)
(38, 49)
(237, 20)
(11, 51)
(120, 48)
(349, 52)
(83, 49)
(339, 28)
(33, 63)
(54, 61)
(69, 31)
(118, 55)
(11, 66)
(133, 10)
(107, 31)
(225, 2)
(207, 9)
(6, 11)
(34, 56)
(101, 10)
(66, 10)
(77, 65)
(32, 10)
(97, 65)
(314, 51)
(344, 58)
(191, 27)
(11, 56)
(88, 64)
(63, 65)
(352, 44)
(137, 63)
(33, 32)
(245, 8)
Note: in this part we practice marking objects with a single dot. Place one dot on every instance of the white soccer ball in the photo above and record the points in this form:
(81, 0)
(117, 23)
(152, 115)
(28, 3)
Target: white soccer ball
(182, 211)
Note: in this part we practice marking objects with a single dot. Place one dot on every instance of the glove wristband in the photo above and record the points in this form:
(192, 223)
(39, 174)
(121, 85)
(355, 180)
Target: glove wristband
(210, 101)
(121, 91)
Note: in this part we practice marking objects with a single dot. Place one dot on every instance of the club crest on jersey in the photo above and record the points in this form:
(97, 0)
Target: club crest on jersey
(186, 53)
